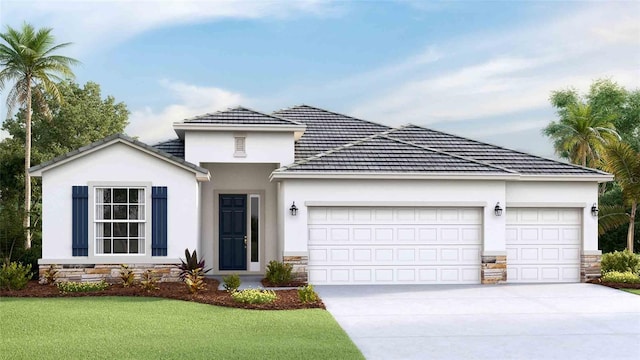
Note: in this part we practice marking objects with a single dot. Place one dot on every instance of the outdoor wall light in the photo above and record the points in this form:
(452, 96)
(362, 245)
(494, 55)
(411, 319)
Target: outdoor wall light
(497, 210)
(594, 210)
(293, 209)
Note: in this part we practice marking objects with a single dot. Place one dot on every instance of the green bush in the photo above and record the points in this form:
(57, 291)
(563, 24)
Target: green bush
(50, 275)
(14, 276)
(126, 275)
(231, 282)
(279, 273)
(149, 281)
(69, 286)
(307, 294)
(621, 277)
(254, 296)
(621, 261)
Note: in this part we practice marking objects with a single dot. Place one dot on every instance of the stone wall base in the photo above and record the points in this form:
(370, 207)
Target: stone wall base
(493, 269)
(111, 272)
(299, 272)
(590, 267)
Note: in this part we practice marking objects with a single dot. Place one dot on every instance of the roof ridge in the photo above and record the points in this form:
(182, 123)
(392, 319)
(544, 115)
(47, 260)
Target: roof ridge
(335, 113)
(511, 150)
(244, 108)
(448, 154)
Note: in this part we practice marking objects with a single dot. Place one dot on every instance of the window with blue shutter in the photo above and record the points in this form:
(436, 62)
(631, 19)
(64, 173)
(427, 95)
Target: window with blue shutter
(159, 221)
(80, 209)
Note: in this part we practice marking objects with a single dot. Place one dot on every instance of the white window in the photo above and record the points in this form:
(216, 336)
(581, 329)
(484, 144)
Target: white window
(240, 146)
(120, 220)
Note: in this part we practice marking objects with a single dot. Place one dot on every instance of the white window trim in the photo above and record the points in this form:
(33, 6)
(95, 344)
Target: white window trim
(92, 221)
(240, 151)
(254, 265)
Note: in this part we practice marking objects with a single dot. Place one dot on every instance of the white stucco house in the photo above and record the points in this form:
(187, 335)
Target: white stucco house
(347, 201)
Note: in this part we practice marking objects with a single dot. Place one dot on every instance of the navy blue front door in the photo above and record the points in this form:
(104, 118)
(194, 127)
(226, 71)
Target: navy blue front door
(233, 232)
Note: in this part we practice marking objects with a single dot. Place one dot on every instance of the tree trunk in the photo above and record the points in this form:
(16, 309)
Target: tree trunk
(632, 224)
(27, 165)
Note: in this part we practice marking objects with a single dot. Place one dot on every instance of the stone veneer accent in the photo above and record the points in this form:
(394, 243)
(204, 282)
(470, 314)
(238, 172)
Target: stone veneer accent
(590, 267)
(494, 269)
(111, 272)
(299, 272)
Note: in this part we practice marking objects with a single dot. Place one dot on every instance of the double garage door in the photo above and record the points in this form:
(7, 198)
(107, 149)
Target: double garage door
(369, 245)
(424, 245)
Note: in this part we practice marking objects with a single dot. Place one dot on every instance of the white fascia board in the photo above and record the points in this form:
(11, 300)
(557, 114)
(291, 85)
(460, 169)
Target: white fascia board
(588, 178)
(178, 126)
(363, 175)
(200, 176)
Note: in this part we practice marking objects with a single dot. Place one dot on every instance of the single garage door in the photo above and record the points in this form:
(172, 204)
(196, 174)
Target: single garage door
(384, 245)
(543, 245)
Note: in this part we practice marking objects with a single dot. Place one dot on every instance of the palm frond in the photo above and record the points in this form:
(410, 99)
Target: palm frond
(611, 217)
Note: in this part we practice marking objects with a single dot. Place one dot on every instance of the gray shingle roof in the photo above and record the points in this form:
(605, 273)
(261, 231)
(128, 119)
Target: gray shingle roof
(239, 116)
(382, 154)
(326, 130)
(520, 162)
(125, 138)
(173, 147)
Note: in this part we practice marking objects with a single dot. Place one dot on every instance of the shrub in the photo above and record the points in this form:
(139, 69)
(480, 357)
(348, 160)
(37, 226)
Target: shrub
(126, 275)
(231, 282)
(621, 261)
(254, 296)
(195, 280)
(14, 276)
(68, 286)
(149, 281)
(191, 264)
(621, 277)
(279, 273)
(50, 275)
(307, 294)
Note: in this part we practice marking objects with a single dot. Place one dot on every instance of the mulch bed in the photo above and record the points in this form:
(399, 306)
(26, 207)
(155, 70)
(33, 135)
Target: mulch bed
(287, 299)
(266, 283)
(615, 285)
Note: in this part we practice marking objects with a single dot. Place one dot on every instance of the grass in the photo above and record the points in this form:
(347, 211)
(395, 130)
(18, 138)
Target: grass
(150, 328)
(633, 291)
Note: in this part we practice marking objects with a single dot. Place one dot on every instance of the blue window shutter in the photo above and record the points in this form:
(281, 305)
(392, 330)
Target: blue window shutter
(80, 208)
(159, 221)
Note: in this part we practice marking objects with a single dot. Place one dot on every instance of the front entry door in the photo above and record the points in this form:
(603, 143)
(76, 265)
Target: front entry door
(233, 232)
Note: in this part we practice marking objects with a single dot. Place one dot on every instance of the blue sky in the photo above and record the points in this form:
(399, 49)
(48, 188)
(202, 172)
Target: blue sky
(479, 69)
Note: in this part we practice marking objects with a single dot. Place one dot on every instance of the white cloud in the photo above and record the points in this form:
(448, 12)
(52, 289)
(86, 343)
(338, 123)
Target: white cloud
(153, 126)
(97, 25)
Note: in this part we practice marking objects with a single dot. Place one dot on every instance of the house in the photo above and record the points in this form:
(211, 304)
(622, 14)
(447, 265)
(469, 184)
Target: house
(346, 201)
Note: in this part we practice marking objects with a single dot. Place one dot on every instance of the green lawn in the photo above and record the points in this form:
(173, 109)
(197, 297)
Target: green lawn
(633, 291)
(149, 328)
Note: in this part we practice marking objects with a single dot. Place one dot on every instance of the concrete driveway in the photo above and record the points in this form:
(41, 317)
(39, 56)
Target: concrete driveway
(546, 321)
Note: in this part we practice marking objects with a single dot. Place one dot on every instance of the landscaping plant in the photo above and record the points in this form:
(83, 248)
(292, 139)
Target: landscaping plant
(149, 281)
(190, 264)
(195, 280)
(126, 275)
(621, 277)
(50, 275)
(307, 294)
(254, 296)
(620, 261)
(278, 273)
(14, 276)
(231, 282)
(69, 286)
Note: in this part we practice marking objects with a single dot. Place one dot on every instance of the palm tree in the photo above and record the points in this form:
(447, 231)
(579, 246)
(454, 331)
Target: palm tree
(581, 134)
(28, 62)
(623, 162)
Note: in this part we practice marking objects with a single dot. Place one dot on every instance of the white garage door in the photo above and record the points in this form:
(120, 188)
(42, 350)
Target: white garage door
(367, 245)
(543, 245)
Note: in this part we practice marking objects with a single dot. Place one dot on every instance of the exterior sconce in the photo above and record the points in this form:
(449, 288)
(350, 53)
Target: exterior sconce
(497, 210)
(594, 210)
(293, 209)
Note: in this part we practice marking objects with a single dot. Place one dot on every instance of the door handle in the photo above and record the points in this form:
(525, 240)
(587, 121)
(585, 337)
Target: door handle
(245, 241)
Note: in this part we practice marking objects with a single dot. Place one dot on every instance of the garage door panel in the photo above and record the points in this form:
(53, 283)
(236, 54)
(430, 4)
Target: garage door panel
(394, 275)
(394, 245)
(543, 245)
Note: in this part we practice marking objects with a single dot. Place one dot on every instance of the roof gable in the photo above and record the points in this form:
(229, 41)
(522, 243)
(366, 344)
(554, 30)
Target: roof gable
(201, 173)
